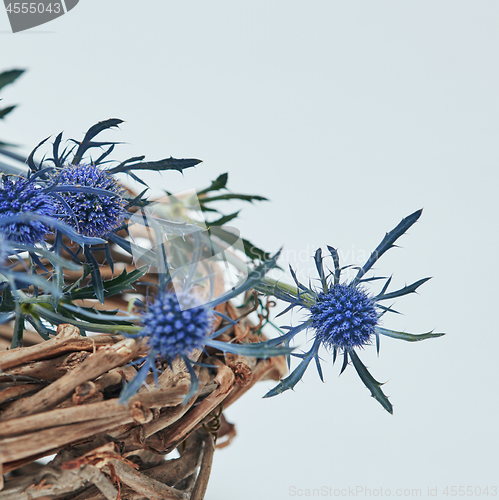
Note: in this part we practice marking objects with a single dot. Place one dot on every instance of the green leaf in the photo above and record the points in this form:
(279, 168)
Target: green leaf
(254, 252)
(58, 319)
(111, 287)
(409, 337)
(87, 143)
(5, 111)
(98, 316)
(224, 219)
(233, 196)
(219, 183)
(370, 382)
(165, 164)
(8, 77)
(97, 283)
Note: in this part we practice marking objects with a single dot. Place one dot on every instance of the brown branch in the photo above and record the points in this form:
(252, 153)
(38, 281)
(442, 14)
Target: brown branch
(50, 369)
(169, 438)
(53, 348)
(273, 368)
(146, 486)
(205, 470)
(18, 390)
(50, 482)
(96, 364)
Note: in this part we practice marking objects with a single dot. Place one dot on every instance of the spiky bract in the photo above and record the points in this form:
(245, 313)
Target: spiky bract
(175, 325)
(19, 195)
(344, 317)
(91, 214)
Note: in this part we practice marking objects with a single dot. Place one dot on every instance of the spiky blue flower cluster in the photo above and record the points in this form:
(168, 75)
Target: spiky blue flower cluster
(19, 195)
(89, 213)
(344, 317)
(175, 325)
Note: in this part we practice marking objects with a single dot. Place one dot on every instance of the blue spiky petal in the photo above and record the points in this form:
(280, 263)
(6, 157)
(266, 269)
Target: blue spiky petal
(91, 214)
(344, 317)
(19, 195)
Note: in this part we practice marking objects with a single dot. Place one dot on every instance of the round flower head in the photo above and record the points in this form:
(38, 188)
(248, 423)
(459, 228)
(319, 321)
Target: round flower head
(19, 195)
(344, 317)
(91, 214)
(176, 325)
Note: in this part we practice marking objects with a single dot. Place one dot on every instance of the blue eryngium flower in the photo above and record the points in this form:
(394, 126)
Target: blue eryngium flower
(19, 195)
(88, 211)
(343, 316)
(176, 325)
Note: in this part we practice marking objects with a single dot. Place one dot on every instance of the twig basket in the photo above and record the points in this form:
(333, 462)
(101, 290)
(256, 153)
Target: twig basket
(61, 397)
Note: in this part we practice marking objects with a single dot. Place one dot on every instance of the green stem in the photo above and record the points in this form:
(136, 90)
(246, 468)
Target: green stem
(291, 289)
(57, 319)
(17, 334)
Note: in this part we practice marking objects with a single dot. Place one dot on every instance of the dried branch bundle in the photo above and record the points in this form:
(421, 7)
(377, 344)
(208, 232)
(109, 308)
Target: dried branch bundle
(61, 397)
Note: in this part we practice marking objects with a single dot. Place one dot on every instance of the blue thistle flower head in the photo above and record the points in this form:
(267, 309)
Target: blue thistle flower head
(344, 317)
(175, 325)
(20, 195)
(89, 212)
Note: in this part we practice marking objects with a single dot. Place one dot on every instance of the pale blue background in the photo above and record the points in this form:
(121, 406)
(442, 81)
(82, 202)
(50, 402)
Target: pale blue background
(348, 116)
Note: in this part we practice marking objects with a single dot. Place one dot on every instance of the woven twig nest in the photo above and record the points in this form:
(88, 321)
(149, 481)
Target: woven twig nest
(60, 397)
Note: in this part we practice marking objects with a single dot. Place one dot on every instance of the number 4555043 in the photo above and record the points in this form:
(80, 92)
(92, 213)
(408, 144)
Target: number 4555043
(33, 8)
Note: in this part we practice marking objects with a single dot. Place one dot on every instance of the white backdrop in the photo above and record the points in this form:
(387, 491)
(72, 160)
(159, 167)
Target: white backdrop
(348, 116)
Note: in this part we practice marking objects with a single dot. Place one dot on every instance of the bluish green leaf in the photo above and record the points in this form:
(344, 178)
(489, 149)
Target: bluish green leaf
(5, 111)
(409, 337)
(113, 286)
(387, 243)
(219, 183)
(6, 316)
(372, 384)
(233, 196)
(87, 143)
(160, 165)
(403, 291)
(296, 375)
(257, 350)
(97, 283)
(131, 388)
(8, 77)
(254, 277)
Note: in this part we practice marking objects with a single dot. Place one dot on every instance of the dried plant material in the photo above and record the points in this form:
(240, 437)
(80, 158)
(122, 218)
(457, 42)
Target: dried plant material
(17, 391)
(106, 358)
(242, 366)
(48, 369)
